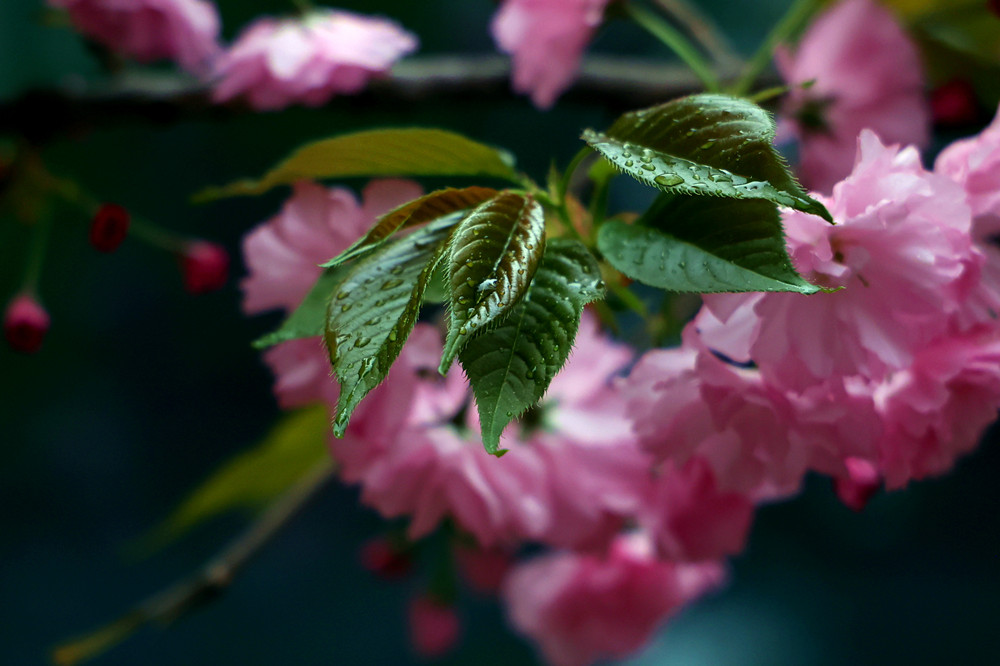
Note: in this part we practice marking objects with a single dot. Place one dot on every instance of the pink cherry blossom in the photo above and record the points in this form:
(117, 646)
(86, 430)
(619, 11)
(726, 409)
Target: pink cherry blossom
(546, 39)
(186, 31)
(571, 480)
(275, 63)
(937, 409)
(975, 164)
(866, 74)
(901, 249)
(284, 254)
(583, 607)
(691, 519)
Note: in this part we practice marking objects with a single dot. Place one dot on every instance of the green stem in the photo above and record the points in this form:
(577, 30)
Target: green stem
(36, 253)
(570, 170)
(703, 29)
(676, 42)
(790, 23)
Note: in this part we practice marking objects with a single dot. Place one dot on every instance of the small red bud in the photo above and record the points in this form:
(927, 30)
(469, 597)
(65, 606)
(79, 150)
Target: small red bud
(954, 104)
(859, 486)
(25, 324)
(204, 267)
(383, 559)
(109, 227)
(434, 627)
(483, 569)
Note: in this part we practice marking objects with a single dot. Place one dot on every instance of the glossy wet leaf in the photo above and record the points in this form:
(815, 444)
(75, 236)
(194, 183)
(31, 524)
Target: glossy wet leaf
(419, 211)
(494, 253)
(379, 153)
(374, 309)
(309, 319)
(714, 145)
(511, 365)
(704, 245)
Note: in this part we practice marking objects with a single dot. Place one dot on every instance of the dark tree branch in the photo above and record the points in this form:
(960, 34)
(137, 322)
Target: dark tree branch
(207, 584)
(617, 83)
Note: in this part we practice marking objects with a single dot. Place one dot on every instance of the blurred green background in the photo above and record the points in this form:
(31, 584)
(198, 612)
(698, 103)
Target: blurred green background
(142, 390)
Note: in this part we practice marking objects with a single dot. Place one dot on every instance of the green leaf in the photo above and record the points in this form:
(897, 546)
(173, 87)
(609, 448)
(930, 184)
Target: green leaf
(375, 309)
(378, 153)
(493, 256)
(419, 211)
(294, 447)
(704, 245)
(309, 319)
(707, 144)
(511, 365)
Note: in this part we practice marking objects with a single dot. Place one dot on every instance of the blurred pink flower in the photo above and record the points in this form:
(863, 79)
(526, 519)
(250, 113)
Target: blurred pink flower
(691, 520)
(186, 31)
(571, 476)
(25, 323)
(583, 607)
(276, 63)
(315, 224)
(546, 39)
(434, 627)
(937, 409)
(902, 249)
(975, 164)
(867, 75)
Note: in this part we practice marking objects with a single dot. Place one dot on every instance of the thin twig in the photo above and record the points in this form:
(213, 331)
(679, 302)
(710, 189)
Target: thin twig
(207, 584)
(703, 29)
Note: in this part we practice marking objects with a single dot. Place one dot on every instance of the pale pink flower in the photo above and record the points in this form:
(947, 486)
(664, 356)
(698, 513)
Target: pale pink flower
(546, 39)
(185, 31)
(901, 249)
(569, 480)
(938, 408)
(975, 164)
(583, 607)
(867, 75)
(283, 255)
(275, 63)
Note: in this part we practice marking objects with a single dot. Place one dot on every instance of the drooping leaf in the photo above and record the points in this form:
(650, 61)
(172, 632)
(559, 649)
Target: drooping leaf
(511, 365)
(379, 153)
(705, 245)
(708, 144)
(294, 447)
(309, 319)
(375, 308)
(494, 253)
(419, 211)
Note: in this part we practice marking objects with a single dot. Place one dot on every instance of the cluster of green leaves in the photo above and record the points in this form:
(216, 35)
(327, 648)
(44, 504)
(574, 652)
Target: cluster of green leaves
(514, 295)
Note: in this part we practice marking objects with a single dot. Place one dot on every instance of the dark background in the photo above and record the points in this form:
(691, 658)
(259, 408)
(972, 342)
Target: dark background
(142, 390)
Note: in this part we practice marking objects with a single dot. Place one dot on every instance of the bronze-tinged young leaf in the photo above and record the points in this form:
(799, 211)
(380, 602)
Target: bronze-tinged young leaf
(375, 308)
(704, 245)
(709, 144)
(419, 211)
(511, 365)
(294, 447)
(494, 253)
(378, 153)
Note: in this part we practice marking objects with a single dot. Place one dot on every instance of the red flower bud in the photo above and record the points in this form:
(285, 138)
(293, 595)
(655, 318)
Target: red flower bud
(954, 104)
(434, 627)
(383, 559)
(859, 486)
(204, 267)
(109, 227)
(25, 324)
